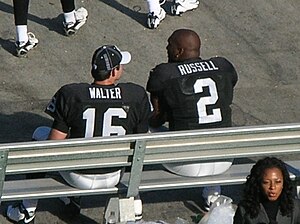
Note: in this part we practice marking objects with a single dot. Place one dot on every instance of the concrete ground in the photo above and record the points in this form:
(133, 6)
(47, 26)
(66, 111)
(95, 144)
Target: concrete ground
(261, 38)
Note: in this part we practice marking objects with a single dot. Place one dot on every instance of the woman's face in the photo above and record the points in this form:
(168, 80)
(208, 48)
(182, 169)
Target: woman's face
(272, 183)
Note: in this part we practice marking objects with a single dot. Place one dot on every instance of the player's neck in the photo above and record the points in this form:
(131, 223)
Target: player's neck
(106, 82)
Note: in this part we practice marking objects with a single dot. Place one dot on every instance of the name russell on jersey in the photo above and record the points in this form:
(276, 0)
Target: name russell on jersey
(105, 93)
(197, 67)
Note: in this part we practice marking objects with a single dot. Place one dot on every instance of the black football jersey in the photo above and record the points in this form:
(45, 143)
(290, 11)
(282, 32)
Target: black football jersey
(195, 93)
(88, 110)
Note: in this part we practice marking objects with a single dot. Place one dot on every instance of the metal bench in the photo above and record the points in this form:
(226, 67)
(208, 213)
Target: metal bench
(142, 154)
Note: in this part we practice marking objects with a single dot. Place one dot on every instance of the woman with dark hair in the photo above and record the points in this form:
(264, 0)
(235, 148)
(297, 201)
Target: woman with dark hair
(268, 195)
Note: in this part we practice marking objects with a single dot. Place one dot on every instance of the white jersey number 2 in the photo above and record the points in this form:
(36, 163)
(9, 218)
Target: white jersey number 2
(205, 118)
(107, 129)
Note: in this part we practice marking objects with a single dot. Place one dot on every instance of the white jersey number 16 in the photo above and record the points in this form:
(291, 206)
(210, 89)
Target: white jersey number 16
(108, 129)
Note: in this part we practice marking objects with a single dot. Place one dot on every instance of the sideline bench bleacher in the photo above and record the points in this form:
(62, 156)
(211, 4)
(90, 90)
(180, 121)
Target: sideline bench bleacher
(143, 154)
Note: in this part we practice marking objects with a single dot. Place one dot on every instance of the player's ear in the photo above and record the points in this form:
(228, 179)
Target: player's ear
(180, 52)
(112, 73)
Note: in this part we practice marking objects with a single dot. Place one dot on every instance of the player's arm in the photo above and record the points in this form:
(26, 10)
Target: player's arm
(159, 115)
(57, 135)
(59, 131)
(143, 126)
(233, 73)
(57, 109)
(155, 86)
(228, 66)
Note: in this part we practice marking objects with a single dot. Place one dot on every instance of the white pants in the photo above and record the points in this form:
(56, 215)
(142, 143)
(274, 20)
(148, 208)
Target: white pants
(91, 181)
(200, 169)
(154, 6)
(81, 181)
(194, 169)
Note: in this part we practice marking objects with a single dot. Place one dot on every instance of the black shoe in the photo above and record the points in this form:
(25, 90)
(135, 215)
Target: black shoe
(72, 209)
(203, 205)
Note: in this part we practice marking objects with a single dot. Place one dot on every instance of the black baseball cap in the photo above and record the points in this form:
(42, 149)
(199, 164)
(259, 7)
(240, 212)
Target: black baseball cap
(107, 57)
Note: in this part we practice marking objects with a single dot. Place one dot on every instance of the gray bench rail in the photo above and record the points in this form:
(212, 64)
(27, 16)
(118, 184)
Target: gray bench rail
(140, 153)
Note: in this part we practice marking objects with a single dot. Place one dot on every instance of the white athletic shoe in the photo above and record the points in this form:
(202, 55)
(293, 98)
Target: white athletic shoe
(19, 214)
(22, 48)
(81, 15)
(138, 209)
(209, 195)
(161, 2)
(180, 6)
(154, 20)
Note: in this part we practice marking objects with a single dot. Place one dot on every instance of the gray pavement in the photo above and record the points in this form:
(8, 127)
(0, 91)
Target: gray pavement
(261, 38)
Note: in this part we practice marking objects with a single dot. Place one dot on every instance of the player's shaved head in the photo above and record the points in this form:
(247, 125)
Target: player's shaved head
(187, 39)
(183, 44)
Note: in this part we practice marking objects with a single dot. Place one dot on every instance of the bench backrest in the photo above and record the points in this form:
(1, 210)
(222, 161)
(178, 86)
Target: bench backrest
(223, 143)
(148, 149)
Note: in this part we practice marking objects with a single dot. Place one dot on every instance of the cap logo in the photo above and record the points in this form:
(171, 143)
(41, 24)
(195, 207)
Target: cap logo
(107, 62)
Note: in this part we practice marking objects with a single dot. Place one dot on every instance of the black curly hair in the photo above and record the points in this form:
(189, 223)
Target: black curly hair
(253, 191)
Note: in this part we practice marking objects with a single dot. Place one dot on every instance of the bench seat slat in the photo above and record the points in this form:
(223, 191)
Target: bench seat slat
(45, 188)
(151, 180)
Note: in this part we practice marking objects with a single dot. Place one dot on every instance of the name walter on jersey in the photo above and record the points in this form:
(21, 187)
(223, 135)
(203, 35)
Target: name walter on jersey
(202, 66)
(105, 93)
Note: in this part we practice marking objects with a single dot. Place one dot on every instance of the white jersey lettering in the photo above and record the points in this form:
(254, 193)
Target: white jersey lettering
(190, 68)
(103, 93)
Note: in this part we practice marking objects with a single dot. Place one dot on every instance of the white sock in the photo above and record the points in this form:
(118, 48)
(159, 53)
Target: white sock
(21, 31)
(70, 17)
(209, 192)
(154, 6)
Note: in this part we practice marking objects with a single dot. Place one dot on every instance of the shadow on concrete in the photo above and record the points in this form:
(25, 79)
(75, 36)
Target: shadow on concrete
(8, 45)
(53, 24)
(133, 13)
(20, 125)
(6, 8)
(56, 208)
